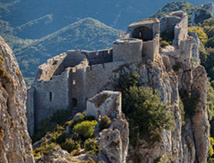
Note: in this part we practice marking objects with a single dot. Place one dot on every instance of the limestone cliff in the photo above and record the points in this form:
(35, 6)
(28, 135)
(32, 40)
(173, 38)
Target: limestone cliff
(15, 143)
(187, 143)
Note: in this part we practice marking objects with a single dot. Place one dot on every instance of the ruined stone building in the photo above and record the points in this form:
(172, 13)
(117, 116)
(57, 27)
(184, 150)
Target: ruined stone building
(68, 80)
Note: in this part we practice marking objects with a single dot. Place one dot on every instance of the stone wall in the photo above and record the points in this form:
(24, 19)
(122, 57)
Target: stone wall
(98, 76)
(50, 96)
(78, 87)
(100, 56)
(176, 22)
(152, 24)
(128, 50)
(151, 49)
(46, 71)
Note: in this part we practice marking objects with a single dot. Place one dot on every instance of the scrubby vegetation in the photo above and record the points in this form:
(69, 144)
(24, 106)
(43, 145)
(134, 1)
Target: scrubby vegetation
(81, 136)
(84, 130)
(146, 114)
(48, 125)
(91, 146)
(200, 32)
(105, 122)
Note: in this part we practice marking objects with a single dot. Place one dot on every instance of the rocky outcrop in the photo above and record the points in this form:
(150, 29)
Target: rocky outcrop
(15, 143)
(198, 124)
(57, 155)
(209, 7)
(114, 141)
(187, 143)
(202, 13)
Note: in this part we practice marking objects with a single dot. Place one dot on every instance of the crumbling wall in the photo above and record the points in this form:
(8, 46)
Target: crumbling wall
(149, 25)
(46, 71)
(50, 96)
(176, 22)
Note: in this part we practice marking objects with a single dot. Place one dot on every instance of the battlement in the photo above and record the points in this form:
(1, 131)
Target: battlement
(98, 57)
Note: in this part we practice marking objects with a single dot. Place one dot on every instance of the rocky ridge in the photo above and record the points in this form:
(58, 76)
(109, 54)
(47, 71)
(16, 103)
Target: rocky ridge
(185, 143)
(15, 143)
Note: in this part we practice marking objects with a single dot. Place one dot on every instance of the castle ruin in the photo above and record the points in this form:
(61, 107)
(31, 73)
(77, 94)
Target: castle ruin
(68, 80)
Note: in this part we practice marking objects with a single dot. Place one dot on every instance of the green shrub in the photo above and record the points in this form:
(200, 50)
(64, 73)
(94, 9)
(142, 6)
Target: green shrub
(158, 160)
(91, 147)
(200, 32)
(144, 110)
(84, 130)
(164, 44)
(181, 108)
(69, 145)
(105, 122)
(45, 148)
(61, 138)
(60, 116)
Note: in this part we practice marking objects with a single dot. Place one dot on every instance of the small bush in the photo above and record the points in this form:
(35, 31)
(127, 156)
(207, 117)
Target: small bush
(84, 130)
(60, 139)
(91, 147)
(45, 148)
(69, 145)
(164, 44)
(105, 122)
(60, 116)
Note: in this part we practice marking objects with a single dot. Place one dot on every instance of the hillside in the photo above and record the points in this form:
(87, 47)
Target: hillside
(87, 34)
(64, 12)
(184, 6)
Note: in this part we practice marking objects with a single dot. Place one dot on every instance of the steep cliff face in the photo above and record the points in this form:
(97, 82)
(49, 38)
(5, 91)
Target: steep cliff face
(15, 143)
(184, 143)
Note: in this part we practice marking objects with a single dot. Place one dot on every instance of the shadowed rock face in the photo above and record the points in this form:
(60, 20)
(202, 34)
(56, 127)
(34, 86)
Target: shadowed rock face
(15, 143)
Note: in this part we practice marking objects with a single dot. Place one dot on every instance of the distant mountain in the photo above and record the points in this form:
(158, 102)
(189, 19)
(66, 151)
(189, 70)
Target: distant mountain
(86, 34)
(56, 14)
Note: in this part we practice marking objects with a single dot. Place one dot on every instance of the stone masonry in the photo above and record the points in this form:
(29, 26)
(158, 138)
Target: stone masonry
(68, 80)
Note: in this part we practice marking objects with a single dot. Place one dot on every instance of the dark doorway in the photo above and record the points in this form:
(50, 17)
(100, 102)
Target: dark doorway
(74, 103)
(143, 33)
(50, 96)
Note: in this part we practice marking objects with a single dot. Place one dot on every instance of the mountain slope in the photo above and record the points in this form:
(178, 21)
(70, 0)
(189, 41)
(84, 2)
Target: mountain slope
(198, 14)
(117, 14)
(87, 34)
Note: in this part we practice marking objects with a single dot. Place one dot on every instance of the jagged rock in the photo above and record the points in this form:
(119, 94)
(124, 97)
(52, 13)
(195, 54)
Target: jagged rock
(200, 123)
(15, 143)
(57, 155)
(115, 140)
(209, 7)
